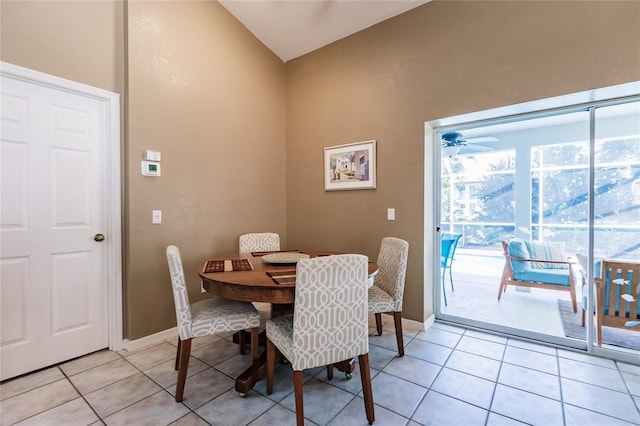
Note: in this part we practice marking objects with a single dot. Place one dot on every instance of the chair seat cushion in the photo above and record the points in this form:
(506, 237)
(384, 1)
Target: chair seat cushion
(219, 315)
(380, 300)
(546, 276)
(280, 332)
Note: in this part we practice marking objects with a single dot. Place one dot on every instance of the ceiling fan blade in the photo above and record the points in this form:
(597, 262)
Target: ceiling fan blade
(482, 139)
(474, 148)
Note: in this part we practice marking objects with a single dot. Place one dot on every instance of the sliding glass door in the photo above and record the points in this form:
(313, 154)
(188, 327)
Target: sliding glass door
(565, 182)
(616, 220)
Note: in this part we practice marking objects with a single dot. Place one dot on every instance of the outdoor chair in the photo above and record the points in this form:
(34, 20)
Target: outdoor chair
(617, 293)
(448, 245)
(537, 264)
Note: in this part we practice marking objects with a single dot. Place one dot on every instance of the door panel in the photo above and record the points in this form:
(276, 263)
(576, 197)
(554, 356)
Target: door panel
(54, 278)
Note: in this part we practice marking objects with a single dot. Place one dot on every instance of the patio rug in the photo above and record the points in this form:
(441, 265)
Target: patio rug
(611, 336)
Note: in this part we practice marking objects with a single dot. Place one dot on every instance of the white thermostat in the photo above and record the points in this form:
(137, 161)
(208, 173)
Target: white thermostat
(150, 168)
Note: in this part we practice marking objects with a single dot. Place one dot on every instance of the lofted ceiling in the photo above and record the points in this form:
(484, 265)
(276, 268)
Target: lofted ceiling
(292, 28)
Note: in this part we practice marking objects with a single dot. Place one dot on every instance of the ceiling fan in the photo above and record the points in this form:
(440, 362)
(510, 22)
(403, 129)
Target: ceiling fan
(454, 143)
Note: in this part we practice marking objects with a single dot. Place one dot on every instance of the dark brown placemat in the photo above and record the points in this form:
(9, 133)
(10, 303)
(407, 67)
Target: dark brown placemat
(214, 266)
(217, 265)
(241, 265)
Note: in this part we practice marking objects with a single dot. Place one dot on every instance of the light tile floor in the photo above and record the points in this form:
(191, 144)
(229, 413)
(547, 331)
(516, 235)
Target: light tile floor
(448, 376)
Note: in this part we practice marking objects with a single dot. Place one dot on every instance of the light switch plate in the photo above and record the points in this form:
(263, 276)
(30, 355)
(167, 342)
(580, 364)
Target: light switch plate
(391, 214)
(152, 155)
(156, 217)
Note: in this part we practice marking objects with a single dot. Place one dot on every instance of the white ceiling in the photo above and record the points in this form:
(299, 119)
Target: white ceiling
(291, 28)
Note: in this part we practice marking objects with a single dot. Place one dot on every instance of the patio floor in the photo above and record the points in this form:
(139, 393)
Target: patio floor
(476, 279)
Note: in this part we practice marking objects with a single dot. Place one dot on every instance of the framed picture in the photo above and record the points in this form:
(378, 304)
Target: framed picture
(351, 166)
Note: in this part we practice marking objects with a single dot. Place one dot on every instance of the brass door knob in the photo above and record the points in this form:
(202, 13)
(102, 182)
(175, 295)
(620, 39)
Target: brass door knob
(98, 237)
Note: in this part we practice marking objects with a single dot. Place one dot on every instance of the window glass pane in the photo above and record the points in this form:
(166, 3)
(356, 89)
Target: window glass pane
(617, 182)
(559, 180)
(478, 195)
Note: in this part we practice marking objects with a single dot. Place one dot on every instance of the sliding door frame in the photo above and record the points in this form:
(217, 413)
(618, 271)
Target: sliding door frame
(589, 102)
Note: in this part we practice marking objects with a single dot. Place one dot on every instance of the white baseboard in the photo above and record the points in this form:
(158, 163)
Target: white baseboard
(429, 322)
(172, 334)
(152, 339)
(407, 324)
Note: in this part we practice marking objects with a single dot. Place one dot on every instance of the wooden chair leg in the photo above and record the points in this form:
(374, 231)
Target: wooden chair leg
(507, 274)
(397, 319)
(379, 323)
(254, 343)
(330, 372)
(297, 389)
(241, 342)
(271, 365)
(574, 302)
(500, 290)
(185, 352)
(178, 353)
(365, 375)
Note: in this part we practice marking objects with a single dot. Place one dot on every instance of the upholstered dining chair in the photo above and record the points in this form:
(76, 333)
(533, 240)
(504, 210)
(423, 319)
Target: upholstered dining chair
(385, 295)
(205, 318)
(329, 323)
(259, 241)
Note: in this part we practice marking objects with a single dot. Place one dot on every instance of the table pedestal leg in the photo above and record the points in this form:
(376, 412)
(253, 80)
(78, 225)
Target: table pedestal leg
(347, 366)
(247, 380)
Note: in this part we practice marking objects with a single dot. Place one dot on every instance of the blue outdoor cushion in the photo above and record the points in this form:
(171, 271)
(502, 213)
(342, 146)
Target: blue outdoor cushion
(518, 248)
(547, 251)
(546, 276)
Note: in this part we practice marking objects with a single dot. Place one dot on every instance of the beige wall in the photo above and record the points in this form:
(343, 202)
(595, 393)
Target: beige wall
(210, 97)
(79, 41)
(220, 107)
(203, 91)
(439, 60)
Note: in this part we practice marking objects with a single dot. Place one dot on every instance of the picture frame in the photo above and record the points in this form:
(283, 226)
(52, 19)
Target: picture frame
(351, 166)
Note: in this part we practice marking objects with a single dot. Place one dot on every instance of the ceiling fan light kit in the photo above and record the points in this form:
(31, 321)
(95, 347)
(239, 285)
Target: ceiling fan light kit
(450, 150)
(452, 142)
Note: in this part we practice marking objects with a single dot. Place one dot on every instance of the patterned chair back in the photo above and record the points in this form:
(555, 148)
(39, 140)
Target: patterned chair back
(392, 268)
(180, 295)
(262, 241)
(330, 322)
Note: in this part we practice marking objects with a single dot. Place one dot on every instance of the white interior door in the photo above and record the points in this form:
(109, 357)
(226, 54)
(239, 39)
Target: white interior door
(54, 294)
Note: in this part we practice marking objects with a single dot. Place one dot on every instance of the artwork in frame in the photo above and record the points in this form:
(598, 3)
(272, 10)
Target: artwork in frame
(351, 166)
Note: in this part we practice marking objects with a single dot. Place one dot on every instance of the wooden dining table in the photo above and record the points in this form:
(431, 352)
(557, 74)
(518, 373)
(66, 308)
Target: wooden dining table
(246, 277)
